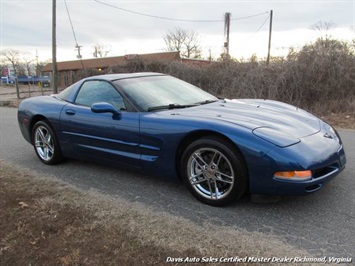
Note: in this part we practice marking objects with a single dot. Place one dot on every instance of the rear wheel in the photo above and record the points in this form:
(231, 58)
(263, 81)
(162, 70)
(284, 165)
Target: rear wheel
(214, 171)
(46, 144)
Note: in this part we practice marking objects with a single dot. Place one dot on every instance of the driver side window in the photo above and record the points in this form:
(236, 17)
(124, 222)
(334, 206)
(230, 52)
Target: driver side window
(99, 91)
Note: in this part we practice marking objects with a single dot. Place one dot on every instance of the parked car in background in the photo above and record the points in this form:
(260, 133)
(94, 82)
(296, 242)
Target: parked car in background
(34, 80)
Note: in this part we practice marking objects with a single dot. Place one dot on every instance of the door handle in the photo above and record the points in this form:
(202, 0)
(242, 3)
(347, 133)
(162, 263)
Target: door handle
(70, 112)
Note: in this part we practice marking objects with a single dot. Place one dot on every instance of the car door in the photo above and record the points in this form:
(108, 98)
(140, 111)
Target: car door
(100, 135)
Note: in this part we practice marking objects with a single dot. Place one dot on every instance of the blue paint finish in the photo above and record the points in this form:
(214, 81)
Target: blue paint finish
(270, 135)
(100, 132)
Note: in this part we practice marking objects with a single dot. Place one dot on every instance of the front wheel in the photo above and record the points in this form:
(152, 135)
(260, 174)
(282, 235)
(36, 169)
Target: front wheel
(214, 171)
(46, 144)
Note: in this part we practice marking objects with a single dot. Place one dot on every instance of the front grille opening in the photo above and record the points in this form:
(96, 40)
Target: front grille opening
(321, 172)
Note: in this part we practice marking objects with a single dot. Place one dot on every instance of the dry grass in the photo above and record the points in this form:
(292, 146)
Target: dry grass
(45, 222)
(344, 121)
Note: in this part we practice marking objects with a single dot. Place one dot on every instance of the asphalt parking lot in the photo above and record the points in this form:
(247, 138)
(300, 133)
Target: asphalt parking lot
(322, 223)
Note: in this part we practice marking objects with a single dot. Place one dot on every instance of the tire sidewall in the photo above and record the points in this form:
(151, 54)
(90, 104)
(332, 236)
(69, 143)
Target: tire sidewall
(57, 156)
(234, 157)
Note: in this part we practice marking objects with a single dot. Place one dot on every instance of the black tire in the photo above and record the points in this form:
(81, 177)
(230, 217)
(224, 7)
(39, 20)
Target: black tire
(46, 144)
(214, 171)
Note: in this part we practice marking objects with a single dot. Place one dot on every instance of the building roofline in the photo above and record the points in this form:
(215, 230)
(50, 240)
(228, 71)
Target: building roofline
(104, 62)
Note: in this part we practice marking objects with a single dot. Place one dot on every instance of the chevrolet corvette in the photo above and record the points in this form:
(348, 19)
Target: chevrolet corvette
(220, 148)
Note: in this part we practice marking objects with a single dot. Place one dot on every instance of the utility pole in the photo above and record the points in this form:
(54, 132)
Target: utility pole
(269, 46)
(227, 23)
(54, 48)
(37, 67)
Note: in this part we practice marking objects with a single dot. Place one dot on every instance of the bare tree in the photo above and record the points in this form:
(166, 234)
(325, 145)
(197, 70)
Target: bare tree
(41, 65)
(28, 64)
(101, 50)
(11, 57)
(187, 42)
(323, 27)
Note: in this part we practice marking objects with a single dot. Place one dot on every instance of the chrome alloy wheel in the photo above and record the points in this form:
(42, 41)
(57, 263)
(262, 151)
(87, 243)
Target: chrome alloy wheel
(44, 143)
(210, 173)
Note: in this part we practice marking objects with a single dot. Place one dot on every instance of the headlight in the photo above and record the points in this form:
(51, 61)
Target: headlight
(275, 137)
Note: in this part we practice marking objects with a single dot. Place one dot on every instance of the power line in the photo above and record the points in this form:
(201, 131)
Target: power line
(251, 16)
(262, 24)
(175, 19)
(77, 46)
(71, 23)
(253, 34)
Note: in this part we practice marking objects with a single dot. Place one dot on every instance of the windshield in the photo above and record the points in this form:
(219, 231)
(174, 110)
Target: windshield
(158, 92)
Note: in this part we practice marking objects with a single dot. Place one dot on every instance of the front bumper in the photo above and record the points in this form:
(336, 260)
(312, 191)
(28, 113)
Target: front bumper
(325, 157)
(320, 177)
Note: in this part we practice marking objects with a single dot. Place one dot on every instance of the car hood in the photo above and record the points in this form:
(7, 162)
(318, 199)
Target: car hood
(256, 115)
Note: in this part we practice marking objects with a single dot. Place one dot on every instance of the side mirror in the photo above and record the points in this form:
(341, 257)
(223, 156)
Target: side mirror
(104, 107)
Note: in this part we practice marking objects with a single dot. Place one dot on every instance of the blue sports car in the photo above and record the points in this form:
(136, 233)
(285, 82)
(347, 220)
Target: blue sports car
(220, 148)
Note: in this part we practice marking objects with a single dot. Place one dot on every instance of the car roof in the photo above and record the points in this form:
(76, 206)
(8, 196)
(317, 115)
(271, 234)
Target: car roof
(112, 77)
(70, 93)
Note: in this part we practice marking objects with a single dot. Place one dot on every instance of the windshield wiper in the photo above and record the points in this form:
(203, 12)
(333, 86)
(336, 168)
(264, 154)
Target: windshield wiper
(206, 102)
(170, 106)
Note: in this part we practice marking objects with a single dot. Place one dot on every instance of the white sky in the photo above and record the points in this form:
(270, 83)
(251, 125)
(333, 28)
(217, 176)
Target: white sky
(25, 25)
